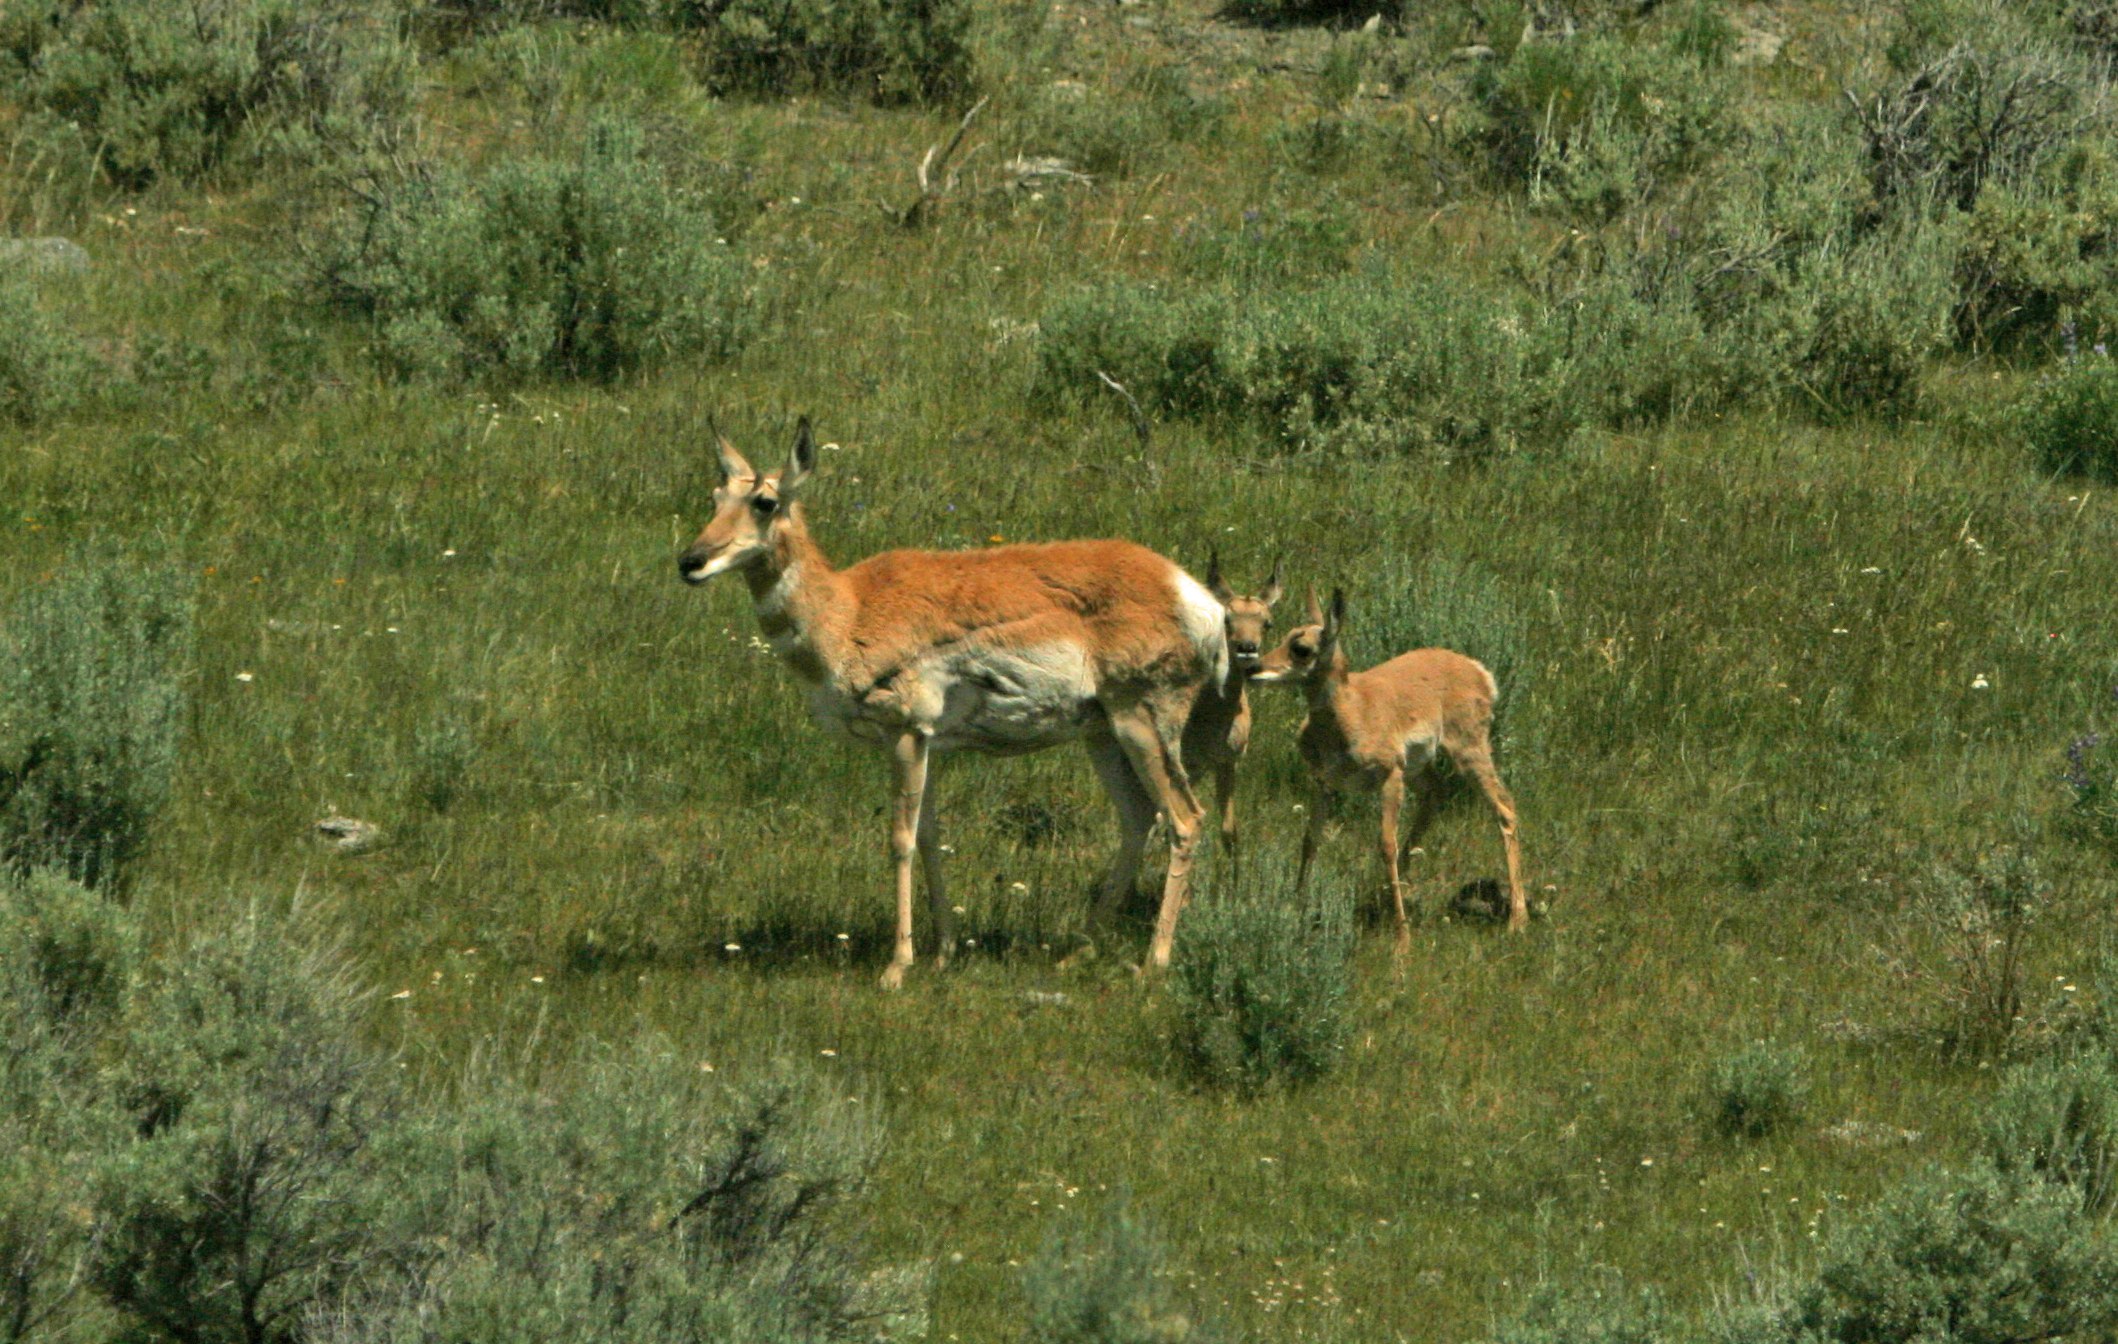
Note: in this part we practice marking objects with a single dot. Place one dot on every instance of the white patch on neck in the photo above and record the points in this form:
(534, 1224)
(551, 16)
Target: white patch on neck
(774, 600)
(1205, 623)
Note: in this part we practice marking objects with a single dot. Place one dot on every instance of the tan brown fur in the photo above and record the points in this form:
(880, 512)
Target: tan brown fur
(1218, 733)
(1390, 726)
(1002, 650)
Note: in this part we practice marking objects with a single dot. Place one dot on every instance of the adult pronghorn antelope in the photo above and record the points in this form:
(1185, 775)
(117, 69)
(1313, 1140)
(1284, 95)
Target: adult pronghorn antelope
(1218, 732)
(1375, 729)
(1004, 650)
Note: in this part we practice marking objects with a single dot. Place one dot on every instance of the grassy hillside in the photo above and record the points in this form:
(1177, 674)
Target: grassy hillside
(1788, 639)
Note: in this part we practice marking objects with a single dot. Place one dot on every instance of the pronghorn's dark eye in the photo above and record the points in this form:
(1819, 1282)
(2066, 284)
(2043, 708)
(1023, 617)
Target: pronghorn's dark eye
(1302, 648)
(765, 505)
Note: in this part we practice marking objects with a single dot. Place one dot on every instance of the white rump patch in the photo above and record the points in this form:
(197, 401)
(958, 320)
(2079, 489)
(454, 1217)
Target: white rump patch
(1205, 623)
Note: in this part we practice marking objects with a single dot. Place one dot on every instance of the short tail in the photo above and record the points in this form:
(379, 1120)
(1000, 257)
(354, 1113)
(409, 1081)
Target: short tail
(1205, 623)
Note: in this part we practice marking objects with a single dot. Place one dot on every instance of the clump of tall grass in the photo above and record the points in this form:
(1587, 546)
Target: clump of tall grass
(45, 369)
(1262, 981)
(1604, 1310)
(588, 265)
(91, 708)
(1104, 1282)
(1759, 1090)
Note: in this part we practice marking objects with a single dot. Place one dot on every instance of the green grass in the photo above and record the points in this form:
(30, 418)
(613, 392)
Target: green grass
(1743, 747)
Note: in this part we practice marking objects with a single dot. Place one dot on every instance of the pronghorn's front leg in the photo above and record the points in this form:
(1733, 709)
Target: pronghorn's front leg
(937, 888)
(1393, 803)
(1224, 785)
(1313, 835)
(1149, 747)
(909, 754)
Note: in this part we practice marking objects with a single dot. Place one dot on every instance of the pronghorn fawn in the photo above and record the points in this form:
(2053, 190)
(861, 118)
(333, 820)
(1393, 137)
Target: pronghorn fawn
(1003, 650)
(1219, 730)
(1388, 727)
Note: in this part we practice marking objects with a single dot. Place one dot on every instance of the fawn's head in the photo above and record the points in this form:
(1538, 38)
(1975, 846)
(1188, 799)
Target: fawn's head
(1249, 618)
(750, 510)
(1310, 649)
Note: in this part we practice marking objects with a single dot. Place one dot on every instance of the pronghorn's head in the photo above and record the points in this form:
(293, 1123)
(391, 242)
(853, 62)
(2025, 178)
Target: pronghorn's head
(1249, 618)
(1310, 649)
(750, 510)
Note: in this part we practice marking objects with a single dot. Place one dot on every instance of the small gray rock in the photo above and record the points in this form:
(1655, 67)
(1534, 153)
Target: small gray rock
(348, 835)
(1868, 1134)
(45, 256)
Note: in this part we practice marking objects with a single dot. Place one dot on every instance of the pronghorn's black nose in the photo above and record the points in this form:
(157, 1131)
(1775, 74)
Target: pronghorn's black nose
(690, 563)
(1243, 648)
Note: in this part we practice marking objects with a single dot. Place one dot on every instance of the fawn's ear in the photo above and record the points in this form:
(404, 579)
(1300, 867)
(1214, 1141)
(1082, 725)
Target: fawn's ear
(733, 466)
(1316, 610)
(800, 462)
(1274, 589)
(1215, 584)
(1334, 623)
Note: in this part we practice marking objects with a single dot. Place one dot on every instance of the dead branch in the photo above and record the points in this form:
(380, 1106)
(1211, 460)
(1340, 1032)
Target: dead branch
(1140, 422)
(935, 163)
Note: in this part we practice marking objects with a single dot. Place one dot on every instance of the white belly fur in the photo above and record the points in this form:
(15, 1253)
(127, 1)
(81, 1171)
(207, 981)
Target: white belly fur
(973, 698)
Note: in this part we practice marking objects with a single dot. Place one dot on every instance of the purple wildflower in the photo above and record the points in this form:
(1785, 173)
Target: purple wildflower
(2077, 776)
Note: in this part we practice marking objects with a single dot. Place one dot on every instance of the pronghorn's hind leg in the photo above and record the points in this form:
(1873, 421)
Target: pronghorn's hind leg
(1475, 759)
(1393, 801)
(929, 832)
(1149, 731)
(1136, 818)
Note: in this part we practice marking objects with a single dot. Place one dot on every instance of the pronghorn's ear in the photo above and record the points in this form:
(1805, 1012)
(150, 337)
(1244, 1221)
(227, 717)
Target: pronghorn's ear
(733, 467)
(801, 461)
(1274, 590)
(1334, 621)
(1215, 584)
(1316, 610)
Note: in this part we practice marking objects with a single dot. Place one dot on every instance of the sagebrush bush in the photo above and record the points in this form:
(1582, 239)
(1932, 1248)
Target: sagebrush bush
(1875, 315)
(1599, 124)
(1262, 982)
(2070, 417)
(150, 90)
(67, 961)
(1759, 1090)
(1975, 1257)
(890, 50)
(254, 1193)
(1979, 92)
(1104, 1281)
(91, 706)
(45, 370)
(2036, 260)
(631, 1199)
(587, 266)
(1980, 915)
(2057, 1119)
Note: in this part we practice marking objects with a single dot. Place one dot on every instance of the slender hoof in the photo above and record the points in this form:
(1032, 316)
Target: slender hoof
(1519, 922)
(942, 960)
(1402, 944)
(894, 977)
